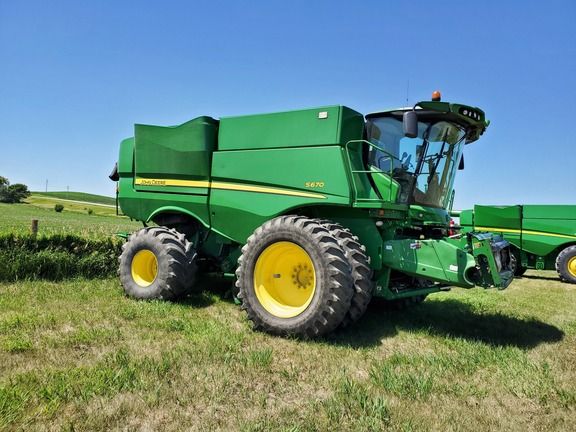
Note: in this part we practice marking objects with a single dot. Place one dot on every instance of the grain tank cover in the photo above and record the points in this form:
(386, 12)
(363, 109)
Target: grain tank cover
(175, 152)
(331, 125)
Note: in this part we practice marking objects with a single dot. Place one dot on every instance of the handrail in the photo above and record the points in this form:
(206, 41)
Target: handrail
(353, 171)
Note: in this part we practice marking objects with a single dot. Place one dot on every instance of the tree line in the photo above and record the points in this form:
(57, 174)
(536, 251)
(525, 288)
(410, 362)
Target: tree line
(12, 193)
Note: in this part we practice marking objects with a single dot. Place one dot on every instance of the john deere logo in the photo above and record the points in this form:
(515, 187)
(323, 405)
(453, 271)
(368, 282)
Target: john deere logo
(151, 182)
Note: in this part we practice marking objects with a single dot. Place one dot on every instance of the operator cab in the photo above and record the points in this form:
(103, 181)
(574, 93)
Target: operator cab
(423, 166)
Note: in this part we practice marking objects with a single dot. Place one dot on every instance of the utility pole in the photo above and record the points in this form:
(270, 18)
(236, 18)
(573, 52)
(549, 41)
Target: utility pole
(46, 185)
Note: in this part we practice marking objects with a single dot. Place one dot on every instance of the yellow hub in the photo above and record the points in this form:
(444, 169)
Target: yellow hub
(572, 266)
(284, 279)
(144, 268)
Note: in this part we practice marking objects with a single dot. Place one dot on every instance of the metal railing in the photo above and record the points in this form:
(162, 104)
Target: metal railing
(376, 170)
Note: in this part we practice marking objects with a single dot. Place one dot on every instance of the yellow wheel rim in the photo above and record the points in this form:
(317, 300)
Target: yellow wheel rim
(284, 279)
(144, 268)
(572, 266)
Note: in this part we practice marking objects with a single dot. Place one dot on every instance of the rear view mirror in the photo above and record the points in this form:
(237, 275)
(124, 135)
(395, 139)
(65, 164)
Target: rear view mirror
(410, 123)
(461, 164)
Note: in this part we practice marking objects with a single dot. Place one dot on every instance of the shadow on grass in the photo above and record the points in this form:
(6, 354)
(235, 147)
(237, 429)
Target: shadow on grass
(209, 286)
(537, 277)
(447, 318)
(197, 300)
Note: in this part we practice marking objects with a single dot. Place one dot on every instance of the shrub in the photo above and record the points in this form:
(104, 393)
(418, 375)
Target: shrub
(58, 208)
(90, 211)
(57, 257)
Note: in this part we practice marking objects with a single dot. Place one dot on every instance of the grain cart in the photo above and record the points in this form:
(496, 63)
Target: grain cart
(542, 237)
(315, 211)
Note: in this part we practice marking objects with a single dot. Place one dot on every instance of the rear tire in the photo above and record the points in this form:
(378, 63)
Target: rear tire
(361, 271)
(157, 263)
(566, 264)
(516, 265)
(294, 279)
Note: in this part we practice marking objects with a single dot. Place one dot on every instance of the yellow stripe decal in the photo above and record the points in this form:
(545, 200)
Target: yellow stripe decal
(169, 182)
(515, 231)
(249, 188)
(224, 186)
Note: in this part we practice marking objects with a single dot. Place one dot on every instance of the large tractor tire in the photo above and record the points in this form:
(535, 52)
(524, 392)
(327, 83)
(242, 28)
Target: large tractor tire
(293, 278)
(361, 272)
(515, 264)
(157, 263)
(566, 264)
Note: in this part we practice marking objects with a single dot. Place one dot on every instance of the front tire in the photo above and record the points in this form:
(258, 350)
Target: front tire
(157, 263)
(566, 264)
(294, 279)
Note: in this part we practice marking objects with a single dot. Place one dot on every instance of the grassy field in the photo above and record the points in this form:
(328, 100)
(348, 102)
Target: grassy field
(71, 206)
(80, 356)
(17, 218)
(78, 196)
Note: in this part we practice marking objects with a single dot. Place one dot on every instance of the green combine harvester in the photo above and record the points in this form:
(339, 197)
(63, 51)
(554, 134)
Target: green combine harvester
(542, 237)
(315, 211)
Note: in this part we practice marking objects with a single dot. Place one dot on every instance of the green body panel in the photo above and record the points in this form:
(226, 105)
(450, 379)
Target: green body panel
(312, 127)
(429, 215)
(386, 185)
(178, 152)
(144, 206)
(466, 217)
(316, 171)
(437, 260)
(126, 158)
(502, 216)
(538, 232)
(549, 212)
(540, 221)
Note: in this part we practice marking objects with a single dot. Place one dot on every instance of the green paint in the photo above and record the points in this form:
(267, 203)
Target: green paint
(227, 177)
(332, 125)
(537, 232)
(178, 152)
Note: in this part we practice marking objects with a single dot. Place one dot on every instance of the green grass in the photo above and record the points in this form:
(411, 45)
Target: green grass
(17, 218)
(80, 356)
(48, 203)
(57, 257)
(78, 196)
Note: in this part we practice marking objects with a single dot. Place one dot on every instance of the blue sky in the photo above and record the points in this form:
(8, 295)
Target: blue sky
(76, 75)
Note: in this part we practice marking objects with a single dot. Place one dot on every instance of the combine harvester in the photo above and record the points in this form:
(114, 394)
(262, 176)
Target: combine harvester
(542, 237)
(316, 211)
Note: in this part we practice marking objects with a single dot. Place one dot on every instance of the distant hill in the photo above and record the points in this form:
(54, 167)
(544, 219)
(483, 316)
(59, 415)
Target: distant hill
(79, 196)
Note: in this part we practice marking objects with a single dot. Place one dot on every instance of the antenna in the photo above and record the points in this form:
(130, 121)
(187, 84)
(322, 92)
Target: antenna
(407, 91)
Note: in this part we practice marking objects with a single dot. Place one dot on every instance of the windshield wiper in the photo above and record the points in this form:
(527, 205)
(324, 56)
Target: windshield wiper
(438, 159)
(423, 151)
